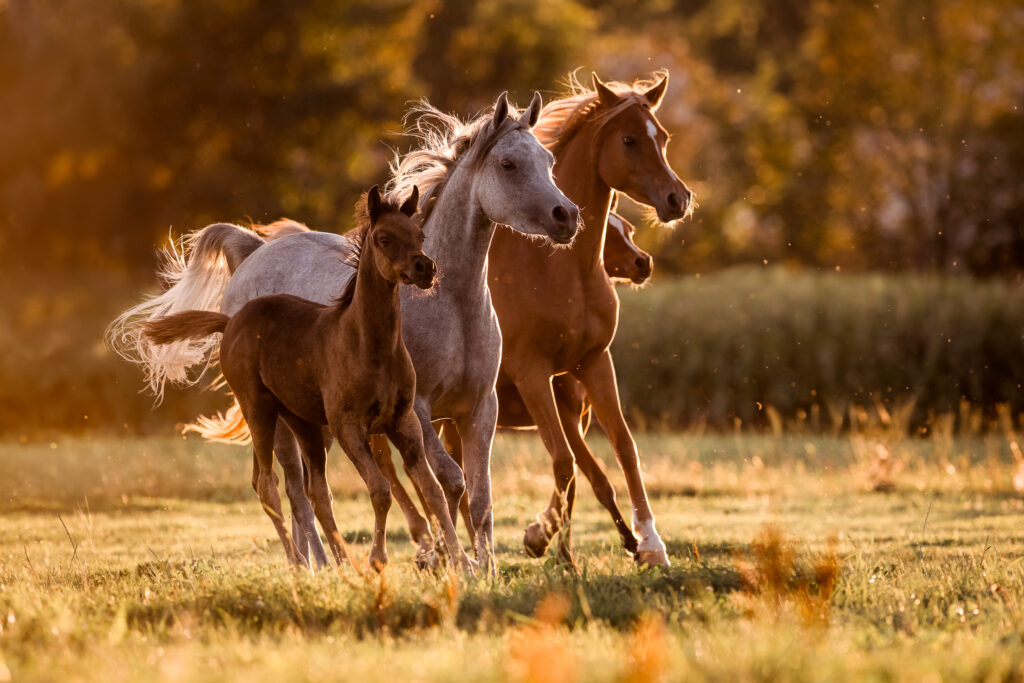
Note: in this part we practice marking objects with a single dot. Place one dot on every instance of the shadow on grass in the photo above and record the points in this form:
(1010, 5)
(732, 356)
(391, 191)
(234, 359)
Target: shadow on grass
(258, 600)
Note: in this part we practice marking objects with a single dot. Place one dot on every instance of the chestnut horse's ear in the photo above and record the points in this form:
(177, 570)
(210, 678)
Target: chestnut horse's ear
(657, 93)
(410, 205)
(608, 98)
(373, 204)
(532, 112)
(615, 202)
(500, 109)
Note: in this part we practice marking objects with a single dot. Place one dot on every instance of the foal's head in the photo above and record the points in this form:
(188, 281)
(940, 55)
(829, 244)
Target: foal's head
(631, 148)
(394, 241)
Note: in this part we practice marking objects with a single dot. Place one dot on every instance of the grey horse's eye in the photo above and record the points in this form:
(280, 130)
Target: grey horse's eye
(507, 164)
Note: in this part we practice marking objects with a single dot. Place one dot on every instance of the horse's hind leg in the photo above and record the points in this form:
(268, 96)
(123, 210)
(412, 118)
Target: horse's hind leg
(354, 443)
(311, 441)
(538, 397)
(262, 418)
(303, 524)
(419, 527)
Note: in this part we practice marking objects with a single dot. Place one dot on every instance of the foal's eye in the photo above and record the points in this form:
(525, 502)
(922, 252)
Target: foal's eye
(383, 240)
(628, 140)
(507, 164)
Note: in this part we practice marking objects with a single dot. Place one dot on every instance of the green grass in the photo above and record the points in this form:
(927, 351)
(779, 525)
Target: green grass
(168, 569)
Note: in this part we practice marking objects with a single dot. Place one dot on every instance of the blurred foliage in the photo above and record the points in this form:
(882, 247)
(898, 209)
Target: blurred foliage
(750, 343)
(864, 135)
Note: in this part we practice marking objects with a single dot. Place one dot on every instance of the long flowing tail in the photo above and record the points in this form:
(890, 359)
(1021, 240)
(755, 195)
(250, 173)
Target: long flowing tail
(227, 427)
(197, 270)
(183, 326)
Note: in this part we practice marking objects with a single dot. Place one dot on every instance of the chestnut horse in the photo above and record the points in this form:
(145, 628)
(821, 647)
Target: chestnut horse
(558, 309)
(343, 365)
(624, 261)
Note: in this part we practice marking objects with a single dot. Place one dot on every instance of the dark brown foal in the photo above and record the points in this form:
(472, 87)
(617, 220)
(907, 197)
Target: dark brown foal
(344, 365)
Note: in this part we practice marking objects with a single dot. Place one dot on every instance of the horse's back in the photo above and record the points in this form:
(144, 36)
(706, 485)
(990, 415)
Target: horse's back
(309, 265)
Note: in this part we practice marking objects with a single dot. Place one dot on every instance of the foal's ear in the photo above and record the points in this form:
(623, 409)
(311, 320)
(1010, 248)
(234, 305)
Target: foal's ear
(607, 97)
(532, 112)
(410, 205)
(500, 109)
(373, 204)
(657, 93)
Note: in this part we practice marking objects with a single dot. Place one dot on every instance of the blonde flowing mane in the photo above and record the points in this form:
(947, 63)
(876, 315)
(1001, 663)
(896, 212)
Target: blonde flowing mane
(445, 141)
(562, 117)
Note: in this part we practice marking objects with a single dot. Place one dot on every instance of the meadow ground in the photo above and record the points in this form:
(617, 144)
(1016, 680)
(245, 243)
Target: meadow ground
(794, 558)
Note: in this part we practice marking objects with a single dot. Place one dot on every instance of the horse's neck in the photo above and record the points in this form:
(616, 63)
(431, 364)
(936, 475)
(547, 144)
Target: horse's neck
(375, 307)
(576, 171)
(458, 235)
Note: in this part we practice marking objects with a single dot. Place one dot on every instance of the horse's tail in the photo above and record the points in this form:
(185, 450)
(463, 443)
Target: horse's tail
(227, 427)
(279, 229)
(197, 271)
(184, 326)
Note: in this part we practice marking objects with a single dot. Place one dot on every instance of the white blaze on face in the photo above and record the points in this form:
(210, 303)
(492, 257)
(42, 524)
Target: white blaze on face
(616, 224)
(652, 130)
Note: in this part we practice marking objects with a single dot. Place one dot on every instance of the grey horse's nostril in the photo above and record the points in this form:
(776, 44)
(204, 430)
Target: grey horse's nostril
(560, 214)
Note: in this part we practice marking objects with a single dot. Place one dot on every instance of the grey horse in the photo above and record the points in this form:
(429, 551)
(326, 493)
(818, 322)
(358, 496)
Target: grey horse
(491, 170)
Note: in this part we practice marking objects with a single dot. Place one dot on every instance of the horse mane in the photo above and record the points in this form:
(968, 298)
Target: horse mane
(445, 141)
(562, 117)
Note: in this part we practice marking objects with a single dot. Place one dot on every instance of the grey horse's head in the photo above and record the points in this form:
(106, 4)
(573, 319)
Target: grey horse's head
(514, 185)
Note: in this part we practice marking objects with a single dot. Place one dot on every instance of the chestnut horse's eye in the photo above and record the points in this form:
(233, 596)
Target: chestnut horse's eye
(507, 164)
(628, 140)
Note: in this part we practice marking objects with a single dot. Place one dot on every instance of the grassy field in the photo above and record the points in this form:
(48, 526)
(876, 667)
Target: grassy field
(795, 558)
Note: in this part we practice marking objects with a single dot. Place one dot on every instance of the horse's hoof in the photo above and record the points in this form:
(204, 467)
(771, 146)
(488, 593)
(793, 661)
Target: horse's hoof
(468, 565)
(536, 540)
(652, 558)
(377, 564)
(427, 560)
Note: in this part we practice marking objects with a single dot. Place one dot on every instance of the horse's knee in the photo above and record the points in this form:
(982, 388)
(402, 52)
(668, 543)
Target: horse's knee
(380, 497)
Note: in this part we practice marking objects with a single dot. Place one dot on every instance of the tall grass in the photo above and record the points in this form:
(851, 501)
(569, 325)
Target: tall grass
(759, 345)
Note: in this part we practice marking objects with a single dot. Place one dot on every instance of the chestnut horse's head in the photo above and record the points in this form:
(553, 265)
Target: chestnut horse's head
(623, 260)
(631, 146)
(397, 241)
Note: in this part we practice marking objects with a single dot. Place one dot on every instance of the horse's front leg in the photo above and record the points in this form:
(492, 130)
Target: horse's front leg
(447, 471)
(419, 527)
(477, 438)
(407, 435)
(598, 377)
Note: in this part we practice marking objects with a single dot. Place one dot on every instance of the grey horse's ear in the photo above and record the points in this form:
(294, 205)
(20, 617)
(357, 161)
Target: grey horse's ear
(410, 205)
(608, 98)
(373, 204)
(656, 94)
(500, 109)
(532, 112)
